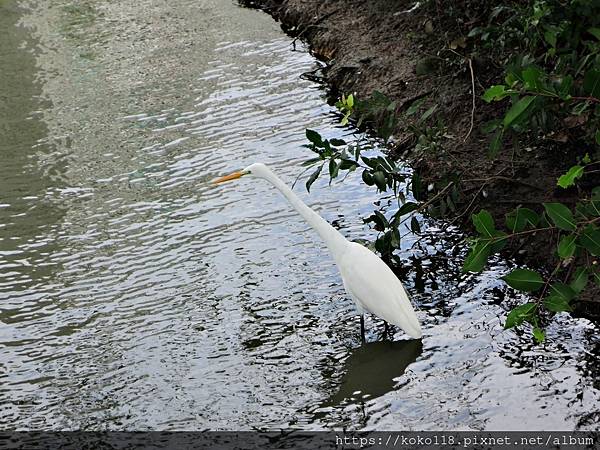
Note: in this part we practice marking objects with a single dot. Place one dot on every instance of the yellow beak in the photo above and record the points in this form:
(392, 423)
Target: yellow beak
(232, 176)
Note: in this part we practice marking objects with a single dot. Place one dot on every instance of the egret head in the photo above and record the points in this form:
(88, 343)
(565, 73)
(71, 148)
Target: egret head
(257, 170)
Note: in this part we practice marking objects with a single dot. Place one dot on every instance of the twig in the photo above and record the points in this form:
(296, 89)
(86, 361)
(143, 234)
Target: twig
(587, 99)
(547, 283)
(510, 180)
(473, 96)
(466, 211)
(303, 172)
(429, 202)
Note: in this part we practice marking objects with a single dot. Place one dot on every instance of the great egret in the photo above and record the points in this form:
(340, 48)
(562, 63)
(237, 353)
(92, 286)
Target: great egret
(367, 279)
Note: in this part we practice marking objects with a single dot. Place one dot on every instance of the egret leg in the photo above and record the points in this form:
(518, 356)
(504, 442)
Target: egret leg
(362, 328)
(386, 329)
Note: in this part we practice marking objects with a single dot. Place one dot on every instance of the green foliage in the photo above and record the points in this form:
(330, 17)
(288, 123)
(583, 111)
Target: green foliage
(520, 314)
(524, 280)
(561, 216)
(341, 158)
(553, 78)
(578, 239)
(546, 92)
(521, 218)
(551, 88)
(346, 106)
(569, 178)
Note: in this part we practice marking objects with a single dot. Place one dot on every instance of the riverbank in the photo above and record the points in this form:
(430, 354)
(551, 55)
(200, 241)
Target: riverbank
(407, 52)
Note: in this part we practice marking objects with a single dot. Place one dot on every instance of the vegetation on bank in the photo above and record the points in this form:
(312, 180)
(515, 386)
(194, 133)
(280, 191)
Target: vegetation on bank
(545, 94)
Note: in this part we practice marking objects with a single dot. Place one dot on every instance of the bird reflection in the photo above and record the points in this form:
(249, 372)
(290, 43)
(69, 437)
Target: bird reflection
(370, 370)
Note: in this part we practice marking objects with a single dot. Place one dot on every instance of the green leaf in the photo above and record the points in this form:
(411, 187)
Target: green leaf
(350, 101)
(415, 227)
(348, 164)
(524, 280)
(414, 107)
(532, 77)
(517, 110)
(562, 291)
(539, 335)
(561, 216)
(383, 221)
(337, 142)
(595, 32)
(568, 179)
(518, 219)
(417, 186)
(484, 223)
(519, 315)
(395, 238)
(428, 113)
(371, 162)
(591, 83)
(590, 240)
(333, 169)
(310, 162)
(380, 180)
(499, 241)
(566, 246)
(408, 207)
(496, 143)
(477, 257)
(496, 92)
(579, 280)
(565, 87)
(490, 126)
(314, 137)
(367, 177)
(550, 37)
(556, 304)
(596, 277)
(313, 178)
(597, 136)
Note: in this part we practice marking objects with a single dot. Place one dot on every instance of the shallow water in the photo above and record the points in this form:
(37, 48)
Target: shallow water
(133, 295)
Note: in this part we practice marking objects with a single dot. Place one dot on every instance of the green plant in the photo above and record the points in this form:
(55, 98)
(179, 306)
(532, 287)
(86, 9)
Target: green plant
(338, 158)
(346, 106)
(577, 238)
(553, 81)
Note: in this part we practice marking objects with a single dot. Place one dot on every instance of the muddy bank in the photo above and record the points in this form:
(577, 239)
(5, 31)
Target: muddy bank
(407, 52)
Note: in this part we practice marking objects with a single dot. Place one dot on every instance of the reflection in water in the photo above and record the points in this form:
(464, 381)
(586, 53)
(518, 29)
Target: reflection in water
(371, 371)
(141, 298)
(28, 219)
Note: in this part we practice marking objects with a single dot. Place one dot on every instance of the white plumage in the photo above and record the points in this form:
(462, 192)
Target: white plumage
(367, 279)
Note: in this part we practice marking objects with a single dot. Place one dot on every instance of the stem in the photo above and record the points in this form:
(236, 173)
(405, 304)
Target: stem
(427, 203)
(547, 283)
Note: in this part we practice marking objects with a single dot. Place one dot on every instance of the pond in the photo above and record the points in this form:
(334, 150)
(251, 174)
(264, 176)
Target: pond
(134, 295)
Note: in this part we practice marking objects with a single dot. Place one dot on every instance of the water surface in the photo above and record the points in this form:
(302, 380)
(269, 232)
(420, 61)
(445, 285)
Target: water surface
(133, 295)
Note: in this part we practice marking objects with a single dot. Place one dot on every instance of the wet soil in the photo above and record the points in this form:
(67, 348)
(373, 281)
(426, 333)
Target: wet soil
(407, 52)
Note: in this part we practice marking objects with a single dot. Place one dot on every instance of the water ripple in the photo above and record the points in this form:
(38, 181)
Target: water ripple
(137, 296)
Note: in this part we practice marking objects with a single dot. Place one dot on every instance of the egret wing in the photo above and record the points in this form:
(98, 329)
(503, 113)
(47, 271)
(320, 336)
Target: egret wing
(377, 289)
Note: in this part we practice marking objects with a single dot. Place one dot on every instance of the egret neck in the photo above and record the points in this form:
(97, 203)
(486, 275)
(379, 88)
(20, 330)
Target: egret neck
(334, 240)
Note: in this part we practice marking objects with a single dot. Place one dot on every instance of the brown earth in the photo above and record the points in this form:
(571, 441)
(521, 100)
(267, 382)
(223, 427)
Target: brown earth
(409, 52)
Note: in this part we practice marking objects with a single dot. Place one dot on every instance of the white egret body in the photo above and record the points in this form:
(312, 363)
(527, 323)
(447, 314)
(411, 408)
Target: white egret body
(367, 279)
